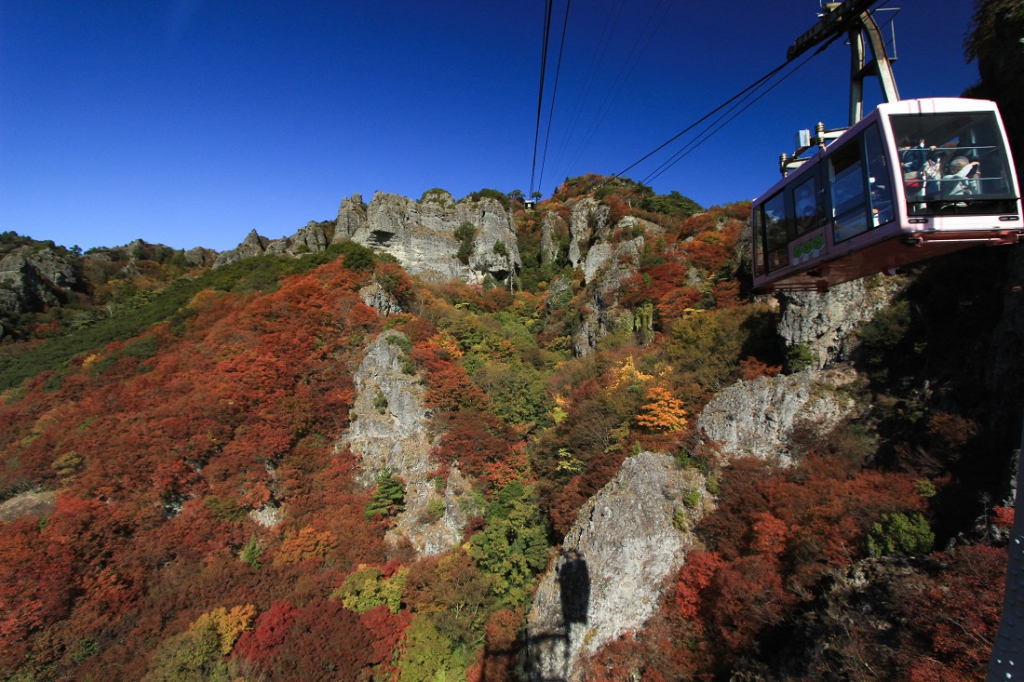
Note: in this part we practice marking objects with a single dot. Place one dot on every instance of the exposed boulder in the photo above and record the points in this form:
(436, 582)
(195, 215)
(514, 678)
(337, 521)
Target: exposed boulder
(606, 266)
(34, 503)
(824, 322)
(309, 239)
(552, 227)
(33, 278)
(377, 297)
(421, 235)
(587, 222)
(253, 245)
(628, 540)
(390, 431)
(200, 257)
(756, 418)
(351, 217)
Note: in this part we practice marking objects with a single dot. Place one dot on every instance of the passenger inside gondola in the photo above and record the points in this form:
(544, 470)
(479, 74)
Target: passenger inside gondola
(962, 178)
(956, 163)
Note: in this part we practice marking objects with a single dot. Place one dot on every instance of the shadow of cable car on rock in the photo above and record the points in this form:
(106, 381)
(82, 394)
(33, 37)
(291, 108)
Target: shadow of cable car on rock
(548, 653)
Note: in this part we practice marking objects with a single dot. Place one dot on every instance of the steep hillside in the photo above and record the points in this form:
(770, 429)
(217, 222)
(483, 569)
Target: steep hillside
(312, 466)
(467, 440)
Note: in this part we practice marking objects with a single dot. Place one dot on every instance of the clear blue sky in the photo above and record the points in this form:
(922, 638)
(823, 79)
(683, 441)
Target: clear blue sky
(191, 122)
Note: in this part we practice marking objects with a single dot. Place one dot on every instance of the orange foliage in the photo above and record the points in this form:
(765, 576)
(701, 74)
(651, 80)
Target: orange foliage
(663, 413)
(306, 544)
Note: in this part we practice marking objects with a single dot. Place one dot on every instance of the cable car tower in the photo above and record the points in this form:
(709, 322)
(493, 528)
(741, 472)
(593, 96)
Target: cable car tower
(854, 19)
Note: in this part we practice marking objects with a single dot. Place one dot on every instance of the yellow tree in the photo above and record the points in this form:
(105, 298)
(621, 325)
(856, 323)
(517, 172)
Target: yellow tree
(662, 412)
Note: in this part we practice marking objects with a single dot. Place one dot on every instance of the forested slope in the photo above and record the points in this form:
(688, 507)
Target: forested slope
(192, 487)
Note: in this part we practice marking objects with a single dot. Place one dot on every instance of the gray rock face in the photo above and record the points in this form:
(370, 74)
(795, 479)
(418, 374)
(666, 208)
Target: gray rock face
(309, 239)
(605, 267)
(351, 217)
(253, 245)
(199, 257)
(421, 235)
(823, 322)
(550, 227)
(389, 429)
(756, 418)
(587, 221)
(32, 279)
(611, 574)
(374, 295)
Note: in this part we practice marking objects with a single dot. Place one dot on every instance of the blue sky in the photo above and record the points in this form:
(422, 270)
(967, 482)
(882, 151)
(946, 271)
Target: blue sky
(191, 122)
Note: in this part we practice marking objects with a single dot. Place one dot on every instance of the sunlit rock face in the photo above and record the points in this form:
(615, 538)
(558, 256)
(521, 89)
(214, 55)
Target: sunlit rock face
(611, 572)
(390, 430)
(824, 323)
(756, 418)
(33, 278)
(421, 234)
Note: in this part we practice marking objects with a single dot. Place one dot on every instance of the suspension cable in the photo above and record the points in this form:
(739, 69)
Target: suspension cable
(742, 93)
(554, 94)
(540, 94)
(704, 135)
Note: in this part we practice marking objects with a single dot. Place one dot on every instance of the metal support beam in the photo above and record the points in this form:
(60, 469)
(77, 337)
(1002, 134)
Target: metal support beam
(854, 19)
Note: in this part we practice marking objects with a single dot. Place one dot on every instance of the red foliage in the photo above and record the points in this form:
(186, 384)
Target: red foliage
(387, 629)
(479, 443)
(751, 368)
(268, 633)
(159, 466)
(325, 643)
(1003, 516)
(955, 614)
(449, 388)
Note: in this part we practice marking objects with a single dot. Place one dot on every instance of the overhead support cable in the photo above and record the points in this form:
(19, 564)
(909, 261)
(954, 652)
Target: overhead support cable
(596, 61)
(739, 98)
(704, 135)
(626, 69)
(741, 94)
(540, 94)
(554, 94)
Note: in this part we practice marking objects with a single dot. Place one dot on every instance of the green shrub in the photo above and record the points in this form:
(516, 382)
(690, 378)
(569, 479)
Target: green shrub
(380, 402)
(900, 535)
(389, 497)
(800, 357)
(465, 233)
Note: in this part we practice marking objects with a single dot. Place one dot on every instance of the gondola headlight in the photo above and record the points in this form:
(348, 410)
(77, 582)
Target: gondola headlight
(1008, 218)
(917, 220)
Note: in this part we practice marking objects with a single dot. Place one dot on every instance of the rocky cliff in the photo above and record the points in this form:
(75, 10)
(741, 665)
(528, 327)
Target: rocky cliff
(390, 430)
(610, 573)
(33, 278)
(756, 418)
(605, 267)
(309, 239)
(823, 323)
(421, 234)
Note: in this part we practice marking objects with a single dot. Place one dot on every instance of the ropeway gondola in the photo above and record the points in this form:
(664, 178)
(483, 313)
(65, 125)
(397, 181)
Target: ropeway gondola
(912, 180)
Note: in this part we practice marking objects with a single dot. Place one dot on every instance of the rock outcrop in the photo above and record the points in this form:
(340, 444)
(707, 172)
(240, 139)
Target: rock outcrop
(33, 278)
(756, 418)
(390, 430)
(421, 234)
(605, 267)
(309, 239)
(587, 222)
(552, 229)
(824, 322)
(253, 245)
(351, 217)
(614, 563)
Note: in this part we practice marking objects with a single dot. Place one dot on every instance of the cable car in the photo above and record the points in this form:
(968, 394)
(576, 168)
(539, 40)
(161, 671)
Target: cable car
(912, 180)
